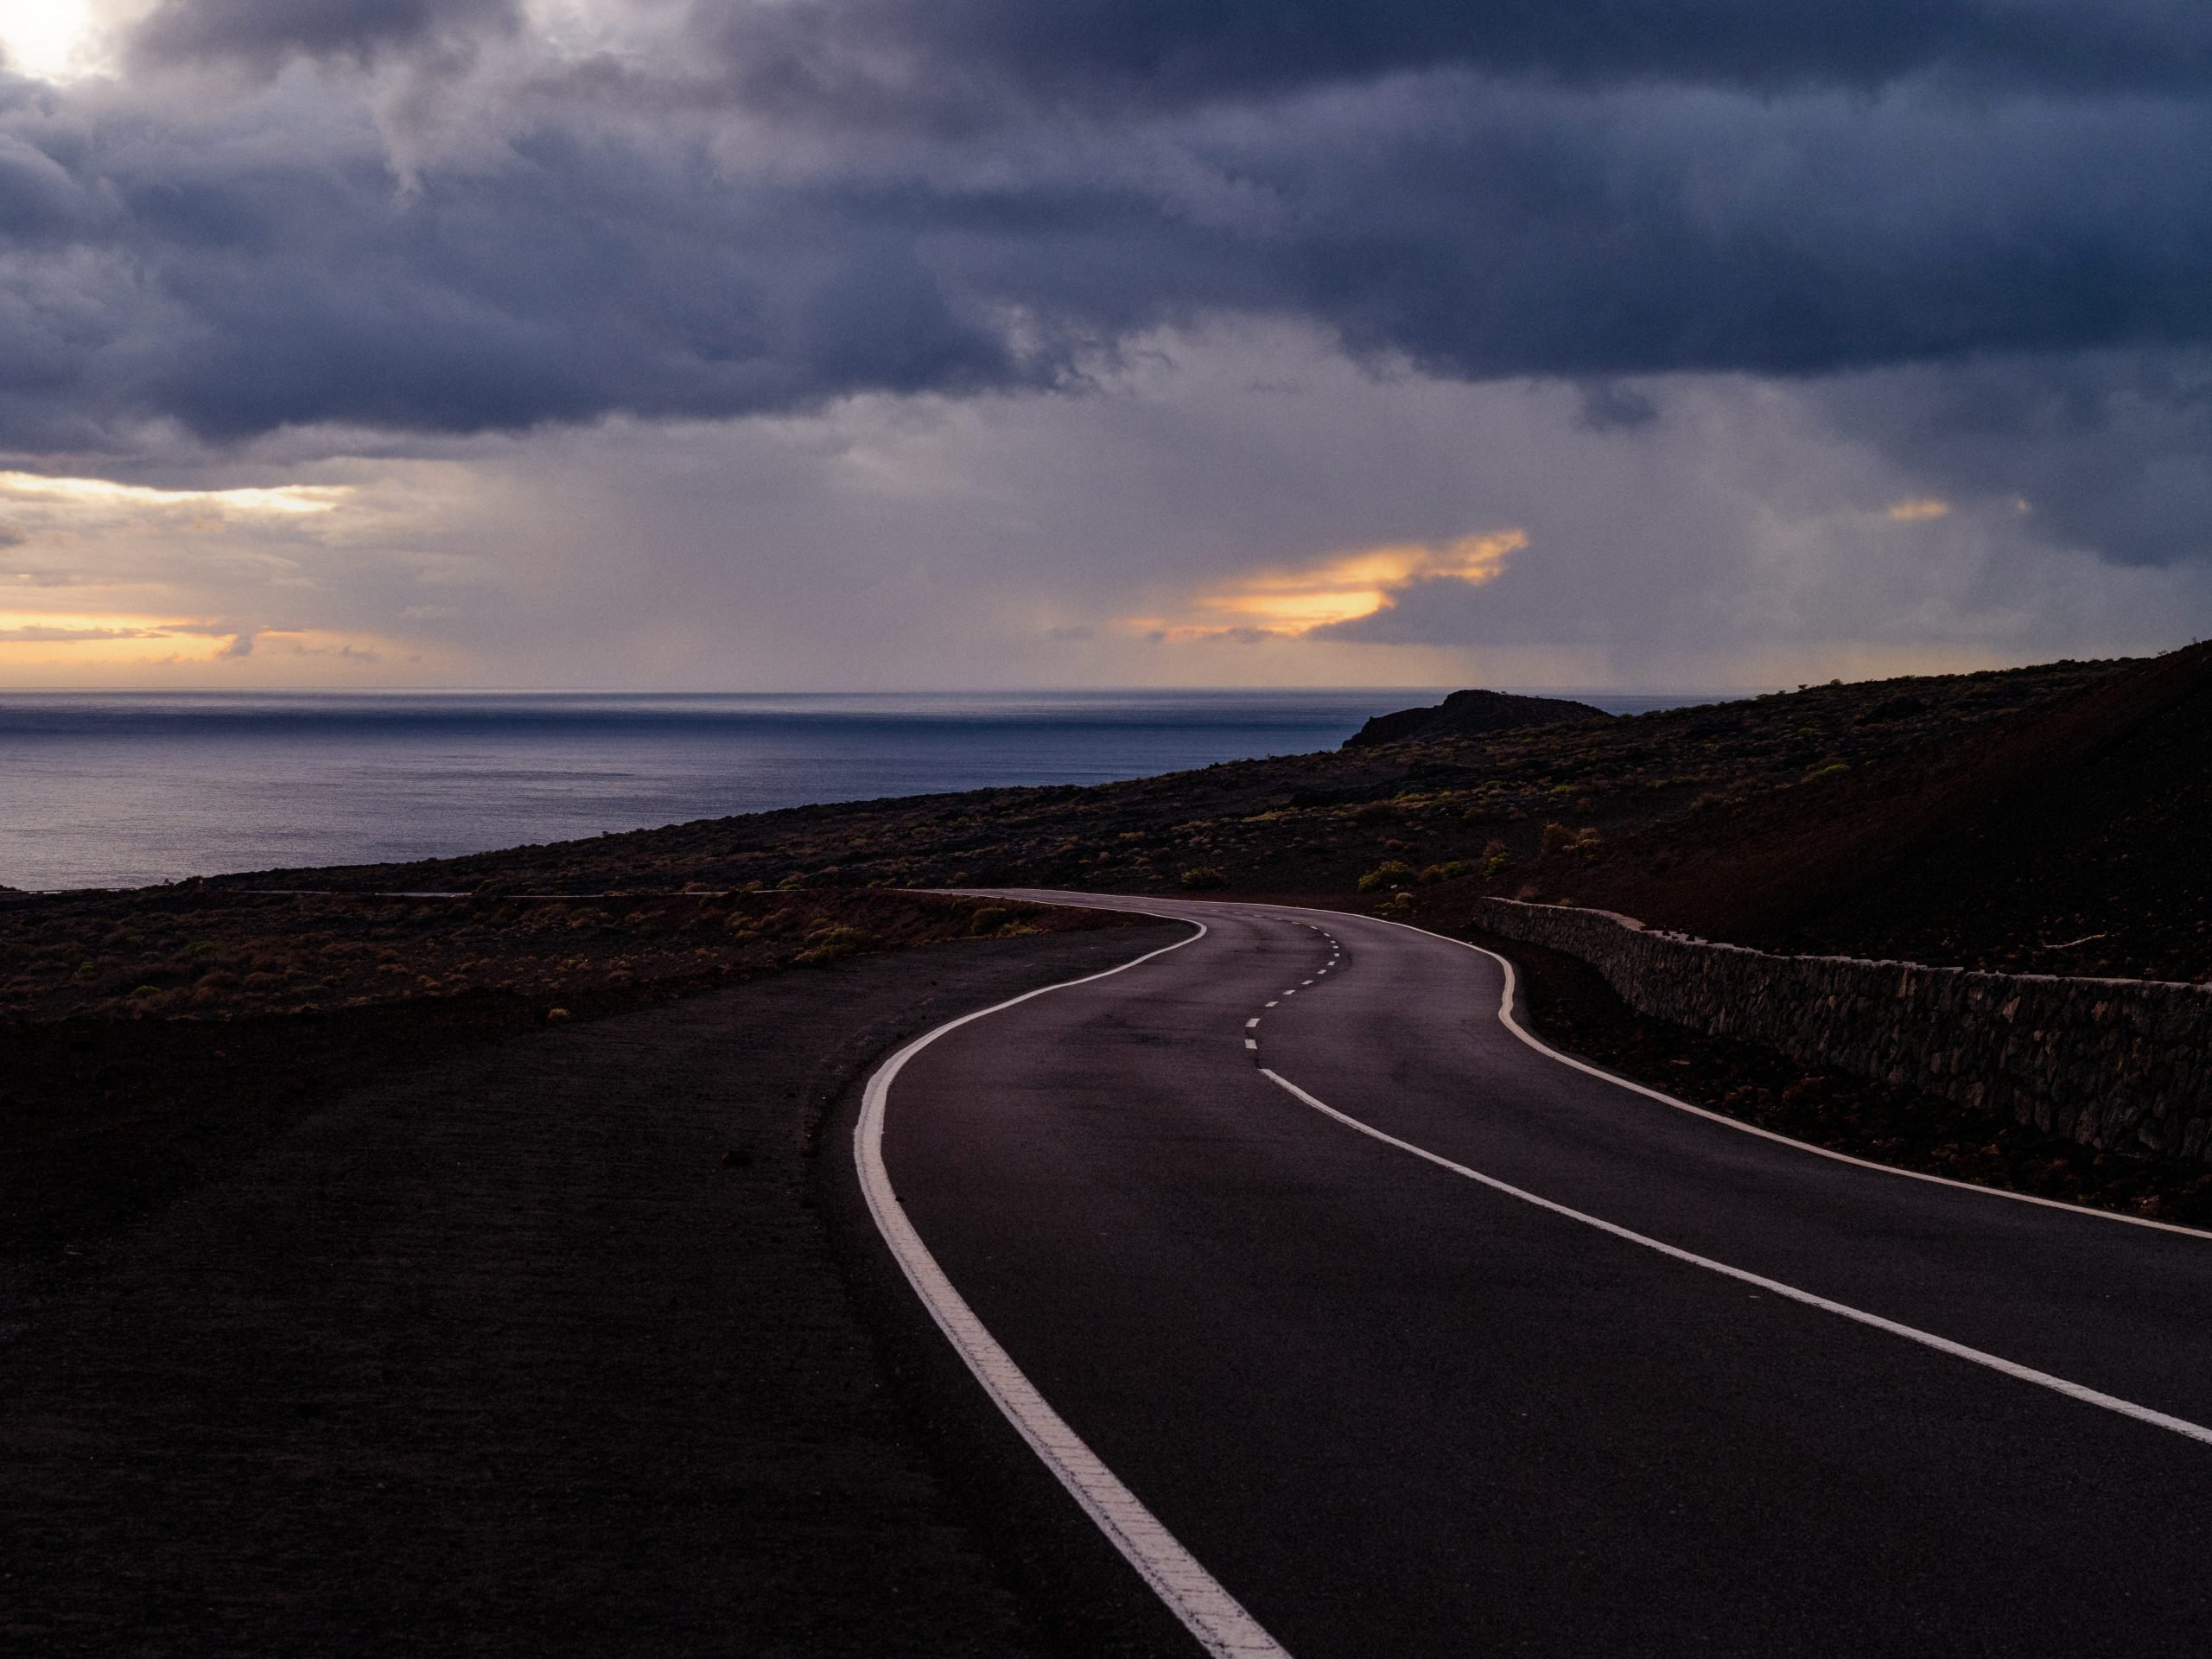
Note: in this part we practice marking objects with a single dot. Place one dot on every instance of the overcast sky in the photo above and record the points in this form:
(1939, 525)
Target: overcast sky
(819, 344)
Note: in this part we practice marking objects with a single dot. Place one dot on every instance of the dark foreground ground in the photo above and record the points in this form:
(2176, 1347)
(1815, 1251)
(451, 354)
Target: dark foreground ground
(572, 1339)
(545, 1351)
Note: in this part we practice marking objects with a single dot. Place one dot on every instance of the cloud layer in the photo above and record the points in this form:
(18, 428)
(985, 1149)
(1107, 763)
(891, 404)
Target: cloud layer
(766, 211)
(1953, 249)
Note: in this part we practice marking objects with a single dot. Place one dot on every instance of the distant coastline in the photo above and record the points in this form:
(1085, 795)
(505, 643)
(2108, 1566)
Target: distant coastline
(135, 788)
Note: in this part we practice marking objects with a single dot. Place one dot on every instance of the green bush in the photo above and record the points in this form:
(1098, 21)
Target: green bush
(1585, 842)
(1200, 878)
(1391, 872)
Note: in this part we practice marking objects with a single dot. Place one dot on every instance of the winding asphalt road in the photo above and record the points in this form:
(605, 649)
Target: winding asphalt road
(1420, 1340)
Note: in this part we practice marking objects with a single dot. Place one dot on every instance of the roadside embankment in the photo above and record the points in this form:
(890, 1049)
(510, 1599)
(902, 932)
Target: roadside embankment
(542, 1349)
(2118, 1064)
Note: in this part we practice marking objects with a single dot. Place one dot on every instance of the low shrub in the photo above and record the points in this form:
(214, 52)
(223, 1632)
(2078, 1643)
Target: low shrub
(1391, 872)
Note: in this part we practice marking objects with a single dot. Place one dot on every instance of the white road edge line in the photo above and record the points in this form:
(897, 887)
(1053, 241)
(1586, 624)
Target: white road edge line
(1506, 1018)
(1192, 1594)
(1911, 1333)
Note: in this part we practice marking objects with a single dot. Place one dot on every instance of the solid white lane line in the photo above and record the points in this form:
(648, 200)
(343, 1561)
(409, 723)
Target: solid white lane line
(1507, 1019)
(1911, 1334)
(1208, 1611)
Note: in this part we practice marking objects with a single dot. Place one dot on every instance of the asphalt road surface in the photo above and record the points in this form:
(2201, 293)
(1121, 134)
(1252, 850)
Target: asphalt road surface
(1623, 1380)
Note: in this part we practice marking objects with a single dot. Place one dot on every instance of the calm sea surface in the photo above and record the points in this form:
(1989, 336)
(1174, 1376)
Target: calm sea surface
(127, 789)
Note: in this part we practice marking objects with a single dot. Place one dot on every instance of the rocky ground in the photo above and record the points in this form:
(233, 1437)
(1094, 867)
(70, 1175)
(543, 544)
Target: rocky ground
(544, 1349)
(149, 1041)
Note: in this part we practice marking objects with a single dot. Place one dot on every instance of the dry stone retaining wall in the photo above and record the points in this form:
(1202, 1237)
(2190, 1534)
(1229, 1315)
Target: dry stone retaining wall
(2112, 1063)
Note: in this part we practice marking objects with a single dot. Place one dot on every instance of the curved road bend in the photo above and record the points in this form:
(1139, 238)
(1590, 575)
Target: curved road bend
(1395, 1411)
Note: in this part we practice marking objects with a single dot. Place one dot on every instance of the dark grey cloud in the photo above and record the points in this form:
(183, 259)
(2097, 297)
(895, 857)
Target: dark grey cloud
(264, 35)
(1612, 405)
(2107, 451)
(961, 59)
(279, 277)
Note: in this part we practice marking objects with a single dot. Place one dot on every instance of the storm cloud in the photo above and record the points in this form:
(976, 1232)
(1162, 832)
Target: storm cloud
(1590, 191)
(264, 35)
(940, 60)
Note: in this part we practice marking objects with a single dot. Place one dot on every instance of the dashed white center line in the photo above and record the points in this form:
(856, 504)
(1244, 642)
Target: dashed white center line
(1271, 1005)
(1253, 1021)
(1291, 992)
(1305, 981)
(1248, 1043)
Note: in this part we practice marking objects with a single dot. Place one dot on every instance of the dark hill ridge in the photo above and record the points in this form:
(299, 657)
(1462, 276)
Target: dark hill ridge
(1469, 713)
(2073, 837)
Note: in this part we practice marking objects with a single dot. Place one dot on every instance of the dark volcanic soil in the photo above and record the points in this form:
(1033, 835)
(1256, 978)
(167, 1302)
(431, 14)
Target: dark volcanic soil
(545, 1352)
(2069, 838)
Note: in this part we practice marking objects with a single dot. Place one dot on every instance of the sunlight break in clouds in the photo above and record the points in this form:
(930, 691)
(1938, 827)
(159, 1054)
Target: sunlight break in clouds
(50, 40)
(1284, 604)
(31, 639)
(96, 495)
(1907, 512)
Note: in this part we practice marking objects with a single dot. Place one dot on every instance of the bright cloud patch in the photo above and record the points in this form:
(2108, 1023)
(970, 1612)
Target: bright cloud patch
(100, 498)
(52, 39)
(1341, 588)
(74, 637)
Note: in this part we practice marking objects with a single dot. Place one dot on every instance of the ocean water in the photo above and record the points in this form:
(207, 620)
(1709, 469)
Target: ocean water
(126, 789)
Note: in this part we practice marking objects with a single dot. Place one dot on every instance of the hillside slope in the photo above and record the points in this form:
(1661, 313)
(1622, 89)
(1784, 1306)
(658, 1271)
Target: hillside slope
(2071, 837)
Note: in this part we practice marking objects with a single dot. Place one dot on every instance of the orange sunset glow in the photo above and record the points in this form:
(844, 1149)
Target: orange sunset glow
(1343, 588)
